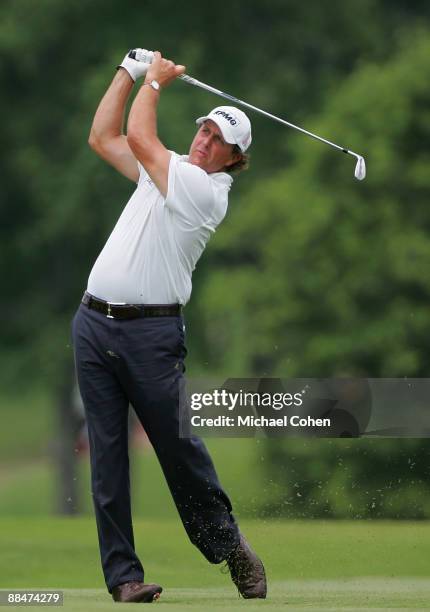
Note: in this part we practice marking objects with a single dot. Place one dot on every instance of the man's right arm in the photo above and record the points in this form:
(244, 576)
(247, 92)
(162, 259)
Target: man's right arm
(106, 137)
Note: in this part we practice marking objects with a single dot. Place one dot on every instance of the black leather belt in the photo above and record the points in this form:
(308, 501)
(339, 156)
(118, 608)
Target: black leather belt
(130, 311)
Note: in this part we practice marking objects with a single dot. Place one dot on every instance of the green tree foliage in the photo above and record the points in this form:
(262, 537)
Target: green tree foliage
(332, 279)
(341, 479)
(312, 273)
(60, 201)
(330, 275)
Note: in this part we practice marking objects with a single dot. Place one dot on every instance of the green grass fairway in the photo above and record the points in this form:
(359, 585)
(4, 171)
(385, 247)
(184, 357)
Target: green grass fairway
(311, 564)
(360, 594)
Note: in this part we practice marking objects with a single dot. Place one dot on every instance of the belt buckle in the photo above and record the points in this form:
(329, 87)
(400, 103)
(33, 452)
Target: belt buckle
(109, 316)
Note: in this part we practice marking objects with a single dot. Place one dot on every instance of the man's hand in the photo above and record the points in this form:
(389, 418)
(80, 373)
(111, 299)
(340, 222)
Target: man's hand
(135, 68)
(142, 135)
(163, 71)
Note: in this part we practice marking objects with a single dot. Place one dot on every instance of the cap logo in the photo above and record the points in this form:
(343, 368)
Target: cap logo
(230, 118)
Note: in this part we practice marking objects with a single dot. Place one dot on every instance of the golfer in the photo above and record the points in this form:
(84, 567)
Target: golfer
(128, 332)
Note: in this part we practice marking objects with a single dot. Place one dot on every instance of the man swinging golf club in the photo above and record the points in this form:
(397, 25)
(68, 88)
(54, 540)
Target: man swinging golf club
(128, 332)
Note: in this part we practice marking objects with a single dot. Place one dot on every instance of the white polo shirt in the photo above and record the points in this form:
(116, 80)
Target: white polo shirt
(155, 245)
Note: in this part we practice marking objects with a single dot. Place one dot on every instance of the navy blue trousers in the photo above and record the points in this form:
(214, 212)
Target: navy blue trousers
(140, 362)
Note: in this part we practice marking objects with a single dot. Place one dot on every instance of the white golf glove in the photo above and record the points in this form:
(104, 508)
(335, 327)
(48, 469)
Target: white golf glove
(137, 62)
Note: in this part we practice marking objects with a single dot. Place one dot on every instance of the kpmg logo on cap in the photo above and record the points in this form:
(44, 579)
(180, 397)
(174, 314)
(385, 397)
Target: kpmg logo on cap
(230, 118)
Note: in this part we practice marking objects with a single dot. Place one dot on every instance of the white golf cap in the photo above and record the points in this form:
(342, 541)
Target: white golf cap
(233, 123)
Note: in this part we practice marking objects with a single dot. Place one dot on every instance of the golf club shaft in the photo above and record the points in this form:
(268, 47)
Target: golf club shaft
(360, 167)
(217, 92)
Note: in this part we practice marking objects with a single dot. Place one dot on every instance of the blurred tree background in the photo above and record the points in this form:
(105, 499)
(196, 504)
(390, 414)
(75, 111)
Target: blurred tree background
(311, 274)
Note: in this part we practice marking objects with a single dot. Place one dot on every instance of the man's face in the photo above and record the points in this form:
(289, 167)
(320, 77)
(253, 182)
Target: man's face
(209, 150)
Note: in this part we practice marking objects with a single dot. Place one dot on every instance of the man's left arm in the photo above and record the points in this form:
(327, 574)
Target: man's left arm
(142, 135)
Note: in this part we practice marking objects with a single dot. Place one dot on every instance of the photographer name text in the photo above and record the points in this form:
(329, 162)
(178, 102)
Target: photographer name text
(259, 421)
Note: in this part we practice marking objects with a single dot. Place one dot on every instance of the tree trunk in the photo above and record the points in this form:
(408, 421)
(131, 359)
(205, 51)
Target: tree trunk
(69, 422)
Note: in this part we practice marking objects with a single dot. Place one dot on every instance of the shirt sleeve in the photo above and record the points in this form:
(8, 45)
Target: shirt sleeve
(142, 172)
(191, 192)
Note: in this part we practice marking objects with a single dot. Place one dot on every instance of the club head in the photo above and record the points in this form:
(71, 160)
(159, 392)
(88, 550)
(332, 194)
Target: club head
(360, 168)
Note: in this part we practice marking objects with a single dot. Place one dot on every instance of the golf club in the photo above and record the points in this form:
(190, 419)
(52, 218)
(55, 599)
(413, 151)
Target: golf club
(360, 168)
